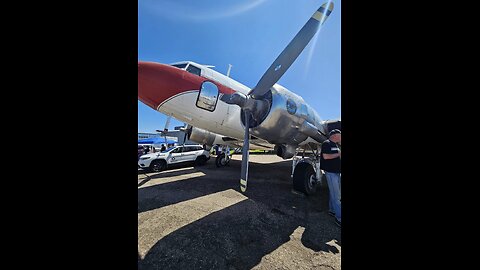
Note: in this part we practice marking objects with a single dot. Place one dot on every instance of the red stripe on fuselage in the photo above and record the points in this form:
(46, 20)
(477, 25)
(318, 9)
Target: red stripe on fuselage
(159, 82)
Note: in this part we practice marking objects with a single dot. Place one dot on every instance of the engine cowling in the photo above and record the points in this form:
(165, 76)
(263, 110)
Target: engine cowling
(333, 124)
(202, 136)
(285, 151)
(288, 121)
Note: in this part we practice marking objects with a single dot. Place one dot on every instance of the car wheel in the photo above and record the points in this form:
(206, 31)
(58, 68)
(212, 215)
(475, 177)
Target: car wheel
(158, 165)
(201, 160)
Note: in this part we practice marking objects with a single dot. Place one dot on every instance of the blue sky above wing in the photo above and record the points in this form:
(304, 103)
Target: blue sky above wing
(249, 34)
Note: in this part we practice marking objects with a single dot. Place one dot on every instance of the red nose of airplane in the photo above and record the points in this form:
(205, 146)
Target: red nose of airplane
(159, 82)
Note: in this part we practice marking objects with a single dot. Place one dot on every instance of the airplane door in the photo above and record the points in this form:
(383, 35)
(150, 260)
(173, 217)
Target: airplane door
(176, 155)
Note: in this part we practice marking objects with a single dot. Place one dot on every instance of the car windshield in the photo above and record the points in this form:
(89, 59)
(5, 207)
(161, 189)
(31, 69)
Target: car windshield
(168, 150)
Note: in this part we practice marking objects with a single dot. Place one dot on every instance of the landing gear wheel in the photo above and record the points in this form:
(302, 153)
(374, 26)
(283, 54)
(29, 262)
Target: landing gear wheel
(221, 160)
(304, 178)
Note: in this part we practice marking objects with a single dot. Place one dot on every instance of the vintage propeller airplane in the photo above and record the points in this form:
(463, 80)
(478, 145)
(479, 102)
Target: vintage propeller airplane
(220, 110)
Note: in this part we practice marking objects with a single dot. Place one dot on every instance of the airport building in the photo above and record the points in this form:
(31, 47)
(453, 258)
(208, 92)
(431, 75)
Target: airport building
(142, 135)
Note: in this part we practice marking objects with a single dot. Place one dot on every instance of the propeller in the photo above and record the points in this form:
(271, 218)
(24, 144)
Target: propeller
(185, 129)
(254, 105)
(165, 129)
(246, 146)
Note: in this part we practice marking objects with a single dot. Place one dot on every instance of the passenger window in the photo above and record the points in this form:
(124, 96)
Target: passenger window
(208, 96)
(178, 150)
(193, 70)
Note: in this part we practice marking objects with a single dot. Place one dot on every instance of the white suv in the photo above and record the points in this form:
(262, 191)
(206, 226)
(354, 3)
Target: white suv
(185, 153)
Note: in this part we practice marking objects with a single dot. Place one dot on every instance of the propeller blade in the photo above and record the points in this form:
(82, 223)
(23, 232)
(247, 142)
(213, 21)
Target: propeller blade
(167, 123)
(246, 146)
(292, 51)
(185, 138)
(186, 130)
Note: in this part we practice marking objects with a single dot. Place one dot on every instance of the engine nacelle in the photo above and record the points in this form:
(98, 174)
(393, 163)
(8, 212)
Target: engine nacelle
(202, 136)
(333, 124)
(285, 151)
(284, 122)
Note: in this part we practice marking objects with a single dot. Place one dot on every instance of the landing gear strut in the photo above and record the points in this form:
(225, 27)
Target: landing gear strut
(224, 157)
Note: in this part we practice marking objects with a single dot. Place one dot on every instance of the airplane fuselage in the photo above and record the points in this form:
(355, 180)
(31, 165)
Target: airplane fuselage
(174, 90)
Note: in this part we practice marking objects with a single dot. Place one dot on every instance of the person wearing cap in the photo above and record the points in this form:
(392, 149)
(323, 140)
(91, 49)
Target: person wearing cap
(330, 164)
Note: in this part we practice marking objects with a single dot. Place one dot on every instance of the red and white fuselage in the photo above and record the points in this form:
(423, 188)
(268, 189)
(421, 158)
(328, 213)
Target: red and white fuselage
(174, 90)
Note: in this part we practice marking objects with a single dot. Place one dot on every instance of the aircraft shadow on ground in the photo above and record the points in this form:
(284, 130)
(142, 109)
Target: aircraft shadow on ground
(215, 180)
(240, 235)
(168, 173)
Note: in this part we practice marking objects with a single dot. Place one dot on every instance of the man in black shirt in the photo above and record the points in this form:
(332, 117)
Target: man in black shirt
(330, 164)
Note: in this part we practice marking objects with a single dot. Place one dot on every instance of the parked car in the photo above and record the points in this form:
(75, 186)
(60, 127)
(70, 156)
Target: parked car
(178, 154)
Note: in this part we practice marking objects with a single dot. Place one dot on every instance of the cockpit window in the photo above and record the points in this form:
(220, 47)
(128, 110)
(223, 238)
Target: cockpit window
(181, 66)
(193, 70)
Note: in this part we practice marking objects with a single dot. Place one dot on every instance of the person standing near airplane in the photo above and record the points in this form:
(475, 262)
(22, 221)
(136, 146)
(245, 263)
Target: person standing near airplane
(330, 163)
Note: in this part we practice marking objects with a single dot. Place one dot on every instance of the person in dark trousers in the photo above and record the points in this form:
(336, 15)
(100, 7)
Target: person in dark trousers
(330, 163)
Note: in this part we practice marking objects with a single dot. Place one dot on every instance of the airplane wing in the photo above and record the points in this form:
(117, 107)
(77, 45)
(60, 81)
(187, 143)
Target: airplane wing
(255, 143)
(203, 136)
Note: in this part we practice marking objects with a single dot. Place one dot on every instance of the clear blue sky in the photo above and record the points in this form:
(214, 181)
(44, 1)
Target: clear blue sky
(249, 34)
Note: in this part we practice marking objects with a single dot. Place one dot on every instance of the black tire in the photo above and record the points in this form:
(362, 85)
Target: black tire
(220, 160)
(201, 160)
(304, 178)
(158, 165)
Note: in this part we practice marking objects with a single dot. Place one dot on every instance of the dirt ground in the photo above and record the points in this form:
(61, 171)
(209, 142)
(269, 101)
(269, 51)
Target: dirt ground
(197, 218)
